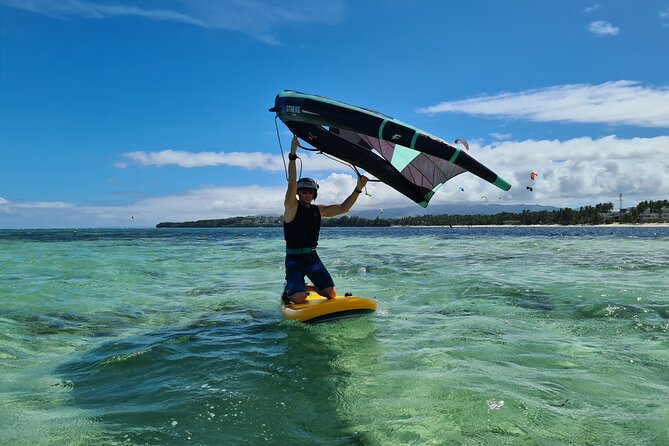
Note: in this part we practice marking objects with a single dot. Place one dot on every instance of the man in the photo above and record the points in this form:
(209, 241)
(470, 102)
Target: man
(301, 228)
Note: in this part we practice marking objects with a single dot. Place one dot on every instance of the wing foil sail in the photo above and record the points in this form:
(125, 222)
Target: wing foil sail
(409, 160)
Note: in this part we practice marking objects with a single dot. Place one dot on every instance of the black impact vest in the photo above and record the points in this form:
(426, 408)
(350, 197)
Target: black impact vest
(303, 231)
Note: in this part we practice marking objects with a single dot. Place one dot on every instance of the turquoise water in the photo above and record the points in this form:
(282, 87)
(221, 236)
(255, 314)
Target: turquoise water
(483, 336)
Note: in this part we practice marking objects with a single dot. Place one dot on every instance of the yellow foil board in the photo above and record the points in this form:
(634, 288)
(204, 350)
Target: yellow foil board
(318, 308)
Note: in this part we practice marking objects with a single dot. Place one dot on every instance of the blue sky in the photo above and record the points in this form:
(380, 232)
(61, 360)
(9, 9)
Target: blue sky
(158, 109)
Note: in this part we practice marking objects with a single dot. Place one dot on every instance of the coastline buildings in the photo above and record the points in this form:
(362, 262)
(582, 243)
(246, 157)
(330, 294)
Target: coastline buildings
(655, 217)
(647, 216)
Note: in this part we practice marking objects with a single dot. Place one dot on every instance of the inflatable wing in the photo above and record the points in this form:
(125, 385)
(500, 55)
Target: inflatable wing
(407, 159)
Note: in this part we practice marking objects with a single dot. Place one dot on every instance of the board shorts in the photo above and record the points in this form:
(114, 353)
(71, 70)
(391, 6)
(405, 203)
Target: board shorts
(309, 265)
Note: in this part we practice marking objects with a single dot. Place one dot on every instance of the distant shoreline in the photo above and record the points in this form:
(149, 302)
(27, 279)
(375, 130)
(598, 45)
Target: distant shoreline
(608, 225)
(647, 213)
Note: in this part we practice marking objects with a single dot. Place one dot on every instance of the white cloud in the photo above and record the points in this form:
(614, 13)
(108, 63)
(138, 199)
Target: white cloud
(97, 10)
(572, 173)
(246, 160)
(8, 205)
(603, 28)
(44, 205)
(253, 17)
(617, 102)
(222, 202)
(664, 17)
(580, 171)
(501, 136)
(213, 202)
(592, 8)
(179, 158)
(195, 204)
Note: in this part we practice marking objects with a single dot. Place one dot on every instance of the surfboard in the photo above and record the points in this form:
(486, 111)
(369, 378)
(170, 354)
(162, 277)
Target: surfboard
(318, 308)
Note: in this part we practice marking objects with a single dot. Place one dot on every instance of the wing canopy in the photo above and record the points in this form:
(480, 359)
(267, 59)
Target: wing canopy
(413, 162)
(420, 169)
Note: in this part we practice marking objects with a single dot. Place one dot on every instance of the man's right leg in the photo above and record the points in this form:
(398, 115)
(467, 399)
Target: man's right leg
(295, 272)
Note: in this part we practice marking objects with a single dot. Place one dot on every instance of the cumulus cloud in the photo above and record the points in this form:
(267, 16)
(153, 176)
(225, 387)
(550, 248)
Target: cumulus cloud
(580, 171)
(257, 18)
(664, 17)
(501, 136)
(603, 28)
(576, 172)
(196, 204)
(617, 102)
(35, 204)
(250, 160)
(214, 202)
(592, 8)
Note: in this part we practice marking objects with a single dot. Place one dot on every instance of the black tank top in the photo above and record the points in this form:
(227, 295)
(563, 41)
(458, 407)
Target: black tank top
(303, 231)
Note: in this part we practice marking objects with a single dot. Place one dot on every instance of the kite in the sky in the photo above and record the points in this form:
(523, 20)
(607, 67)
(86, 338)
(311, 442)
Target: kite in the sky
(533, 175)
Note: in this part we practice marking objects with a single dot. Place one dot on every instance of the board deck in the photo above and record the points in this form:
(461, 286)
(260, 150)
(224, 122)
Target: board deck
(318, 308)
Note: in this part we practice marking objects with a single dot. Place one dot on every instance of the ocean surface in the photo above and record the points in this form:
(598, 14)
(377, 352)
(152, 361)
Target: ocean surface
(483, 336)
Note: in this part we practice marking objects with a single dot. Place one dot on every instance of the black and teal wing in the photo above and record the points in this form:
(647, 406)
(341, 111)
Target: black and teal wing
(409, 160)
